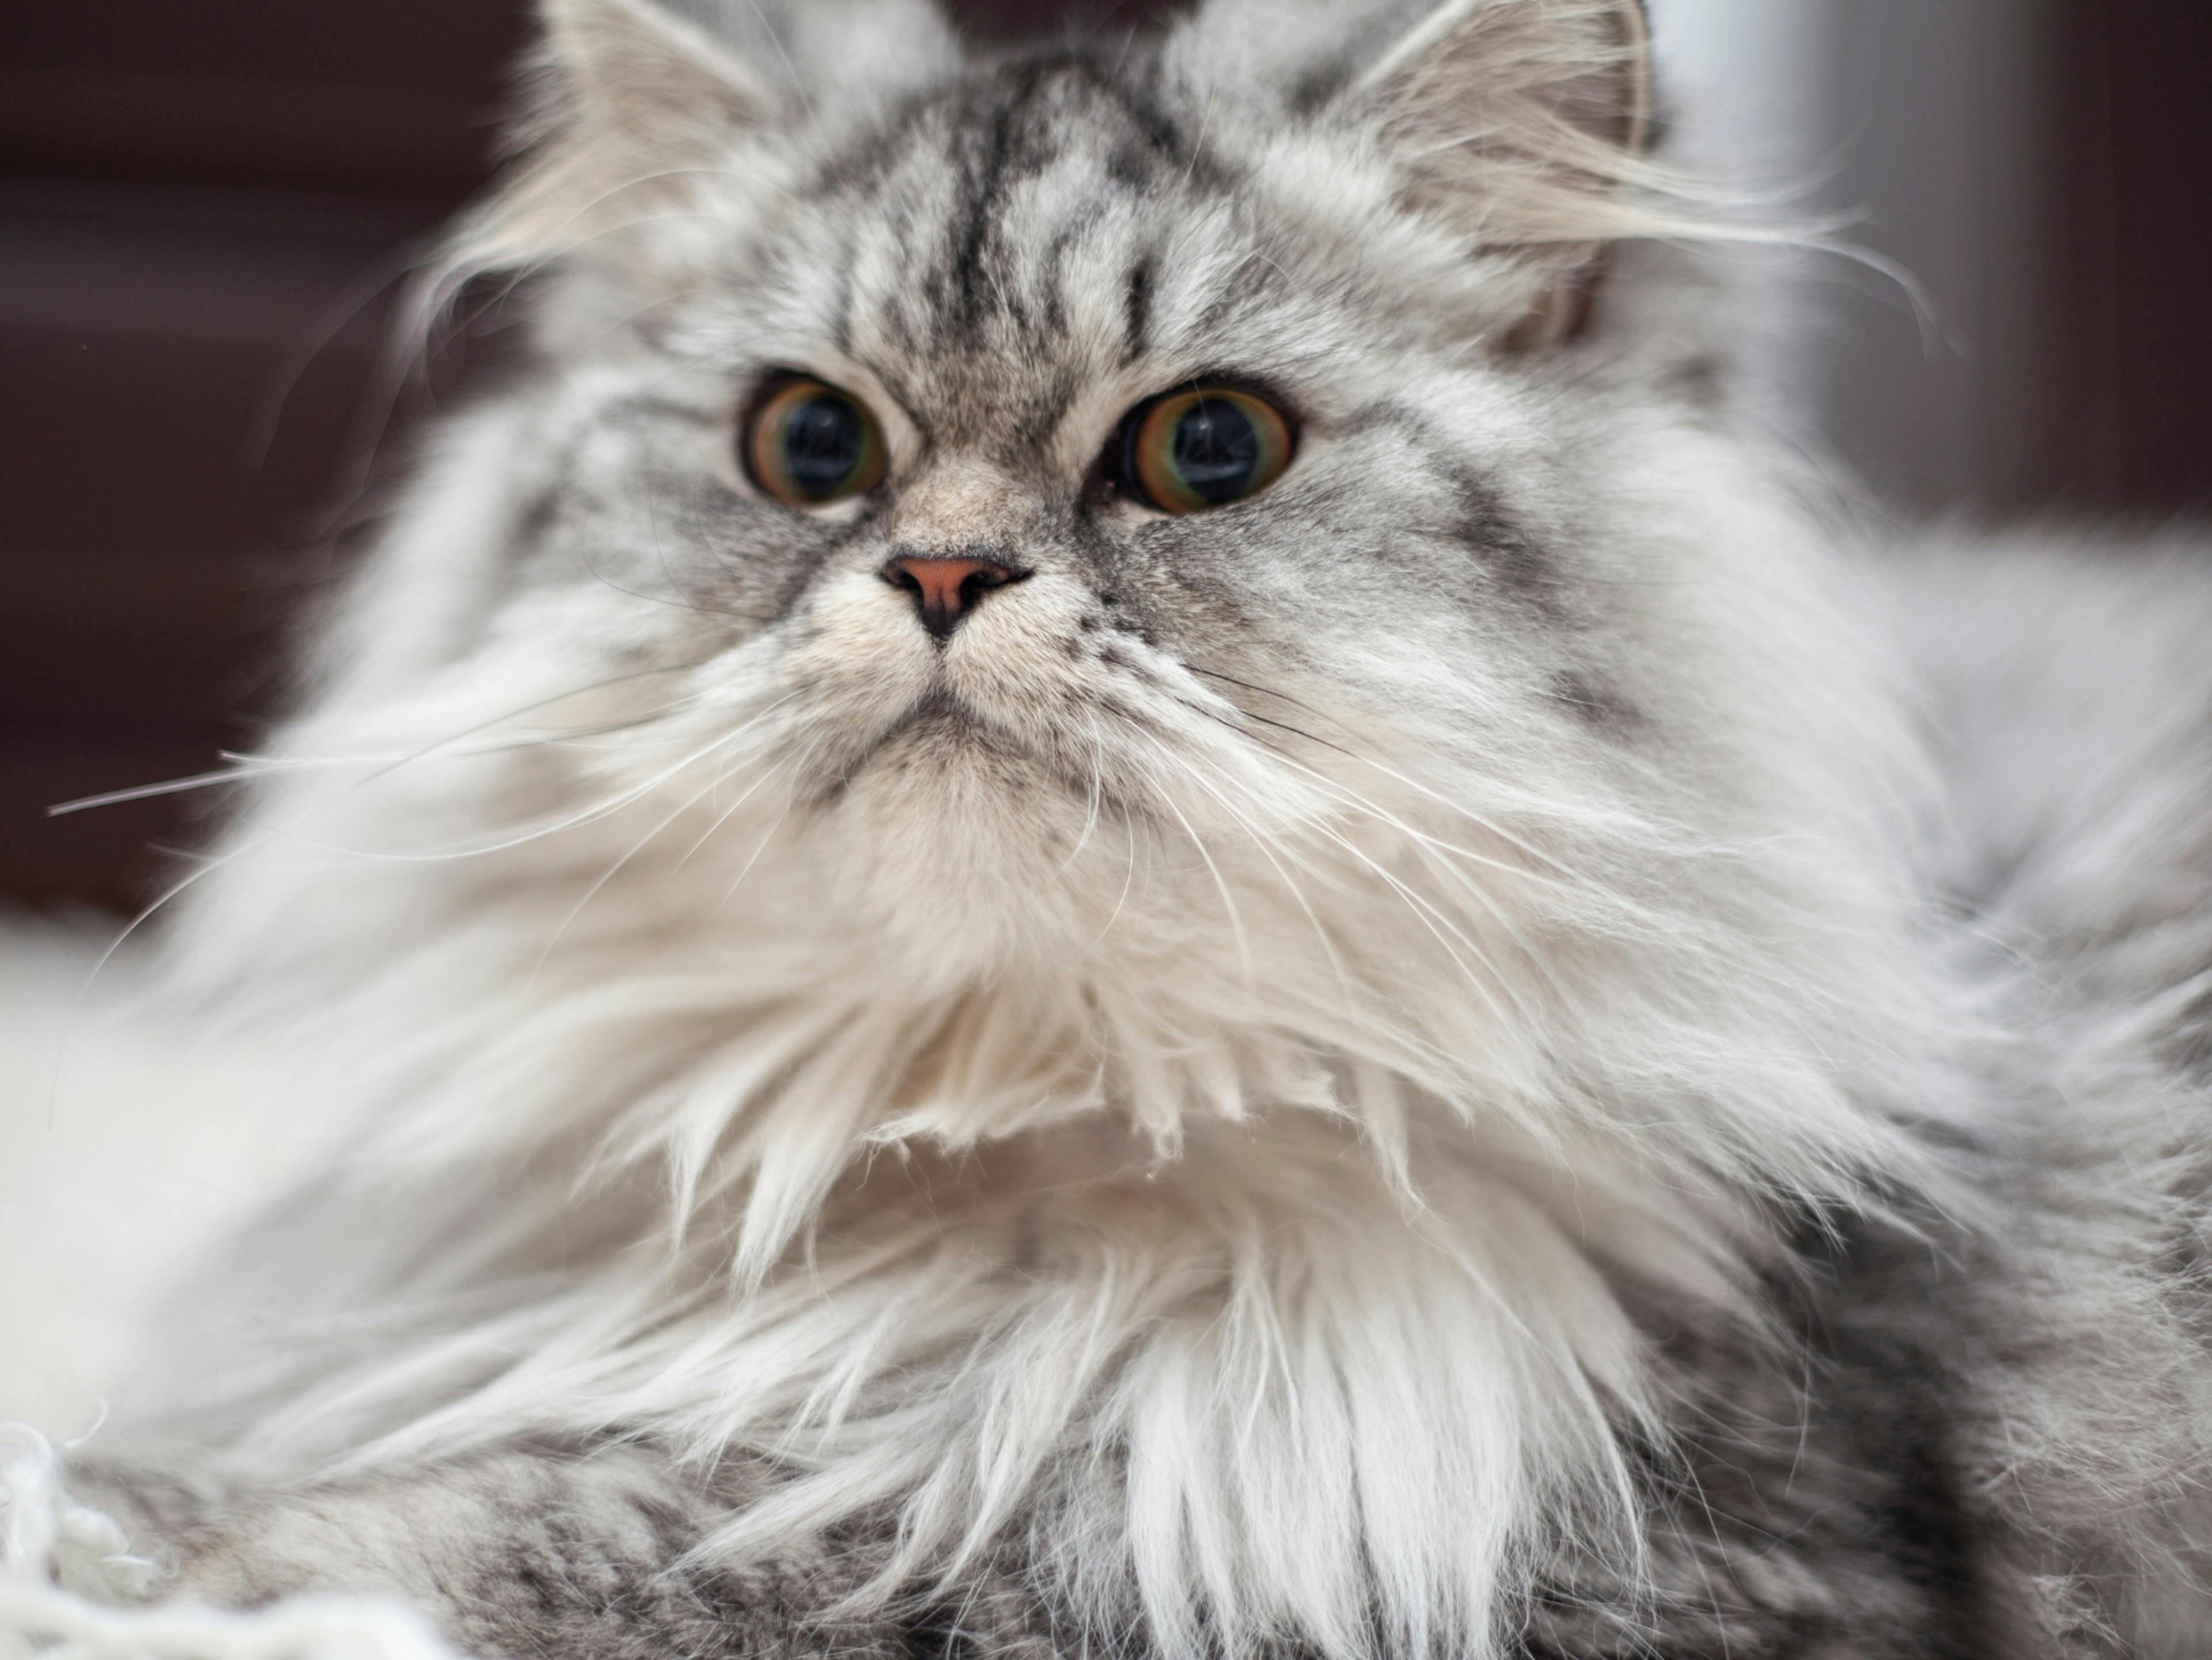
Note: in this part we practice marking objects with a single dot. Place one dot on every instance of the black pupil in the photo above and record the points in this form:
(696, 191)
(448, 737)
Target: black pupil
(824, 440)
(1216, 451)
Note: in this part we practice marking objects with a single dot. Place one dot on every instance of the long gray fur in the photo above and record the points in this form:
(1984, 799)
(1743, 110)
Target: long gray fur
(1731, 1179)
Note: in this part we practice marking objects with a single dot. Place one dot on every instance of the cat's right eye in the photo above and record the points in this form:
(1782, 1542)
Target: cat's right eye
(808, 444)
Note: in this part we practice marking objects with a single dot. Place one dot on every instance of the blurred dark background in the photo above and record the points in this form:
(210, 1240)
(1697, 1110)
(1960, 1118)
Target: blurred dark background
(203, 205)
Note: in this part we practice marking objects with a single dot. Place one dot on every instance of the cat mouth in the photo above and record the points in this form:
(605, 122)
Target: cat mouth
(939, 723)
(942, 731)
(938, 712)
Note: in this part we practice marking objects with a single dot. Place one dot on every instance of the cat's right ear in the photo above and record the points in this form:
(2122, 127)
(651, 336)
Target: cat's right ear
(628, 75)
(635, 106)
(627, 105)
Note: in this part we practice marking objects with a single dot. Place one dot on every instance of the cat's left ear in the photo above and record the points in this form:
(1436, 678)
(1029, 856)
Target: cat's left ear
(1564, 80)
(1522, 122)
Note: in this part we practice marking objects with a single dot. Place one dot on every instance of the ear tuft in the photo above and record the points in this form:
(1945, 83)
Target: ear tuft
(637, 75)
(1524, 125)
(1531, 115)
(1527, 122)
(629, 102)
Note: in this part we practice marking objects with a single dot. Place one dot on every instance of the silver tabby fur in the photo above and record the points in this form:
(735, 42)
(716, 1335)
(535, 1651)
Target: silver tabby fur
(1521, 1046)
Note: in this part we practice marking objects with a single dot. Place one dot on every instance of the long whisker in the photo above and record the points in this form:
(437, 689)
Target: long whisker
(244, 768)
(790, 803)
(169, 895)
(1367, 760)
(682, 808)
(249, 767)
(1229, 901)
(183, 885)
(199, 780)
(1265, 841)
(1432, 916)
(1130, 875)
(1446, 852)
(590, 815)
(1264, 691)
(1432, 852)
(1296, 732)
(1568, 878)
(729, 813)
(1093, 797)
(1438, 924)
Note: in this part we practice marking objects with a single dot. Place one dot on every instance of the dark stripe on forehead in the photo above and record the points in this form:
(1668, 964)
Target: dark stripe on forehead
(1054, 278)
(840, 327)
(1137, 311)
(1012, 129)
(986, 184)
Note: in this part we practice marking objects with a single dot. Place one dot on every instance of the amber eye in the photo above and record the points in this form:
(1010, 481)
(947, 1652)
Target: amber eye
(810, 444)
(1204, 447)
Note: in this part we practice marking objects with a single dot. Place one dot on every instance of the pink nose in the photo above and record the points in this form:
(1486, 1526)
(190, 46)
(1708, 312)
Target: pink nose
(945, 590)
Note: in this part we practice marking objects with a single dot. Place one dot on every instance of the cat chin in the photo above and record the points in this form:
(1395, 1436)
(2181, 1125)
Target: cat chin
(968, 857)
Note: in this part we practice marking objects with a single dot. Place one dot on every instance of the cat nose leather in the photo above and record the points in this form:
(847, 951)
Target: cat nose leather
(945, 590)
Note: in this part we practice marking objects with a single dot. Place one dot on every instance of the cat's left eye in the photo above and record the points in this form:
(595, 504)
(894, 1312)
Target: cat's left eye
(1203, 447)
(808, 444)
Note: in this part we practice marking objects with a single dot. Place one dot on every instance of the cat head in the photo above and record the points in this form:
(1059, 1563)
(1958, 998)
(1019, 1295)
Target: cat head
(1177, 515)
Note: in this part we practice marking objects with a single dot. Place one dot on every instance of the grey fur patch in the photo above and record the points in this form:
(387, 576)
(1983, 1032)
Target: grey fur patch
(1592, 699)
(1633, 1076)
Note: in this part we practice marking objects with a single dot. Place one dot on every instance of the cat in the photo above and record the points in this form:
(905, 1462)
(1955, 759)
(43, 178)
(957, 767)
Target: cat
(1117, 875)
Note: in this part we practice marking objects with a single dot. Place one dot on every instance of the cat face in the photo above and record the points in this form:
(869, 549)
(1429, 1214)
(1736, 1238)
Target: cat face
(993, 668)
(836, 581)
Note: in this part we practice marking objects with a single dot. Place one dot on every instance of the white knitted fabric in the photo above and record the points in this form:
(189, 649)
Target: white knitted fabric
(65, 1569)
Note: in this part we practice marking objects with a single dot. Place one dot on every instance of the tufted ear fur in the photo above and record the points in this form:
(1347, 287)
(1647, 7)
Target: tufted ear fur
(1521, 107)
(1529, 114)
(636, 76)
(827, 50)
(633, 99)
(1523, 123)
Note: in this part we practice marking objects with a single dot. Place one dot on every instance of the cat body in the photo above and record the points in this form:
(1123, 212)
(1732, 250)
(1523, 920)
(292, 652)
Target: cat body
(1512, 1044)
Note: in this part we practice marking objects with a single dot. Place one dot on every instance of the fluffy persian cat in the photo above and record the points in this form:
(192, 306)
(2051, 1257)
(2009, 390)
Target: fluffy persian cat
(1115, 877)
